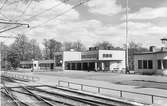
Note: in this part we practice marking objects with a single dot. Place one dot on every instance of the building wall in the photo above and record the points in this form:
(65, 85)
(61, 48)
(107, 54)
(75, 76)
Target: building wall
(144, 57)
(70, 56)
(116, 58)
(154, 57)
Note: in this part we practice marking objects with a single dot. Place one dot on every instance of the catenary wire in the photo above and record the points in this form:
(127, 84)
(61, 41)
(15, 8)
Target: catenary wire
(24, 11)
(42, 12)
(61, 14)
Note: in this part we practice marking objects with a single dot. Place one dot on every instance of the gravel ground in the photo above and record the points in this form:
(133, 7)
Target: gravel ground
(135, 83)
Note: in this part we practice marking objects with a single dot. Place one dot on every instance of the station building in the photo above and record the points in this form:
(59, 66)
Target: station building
(152, 62)
(91, 60)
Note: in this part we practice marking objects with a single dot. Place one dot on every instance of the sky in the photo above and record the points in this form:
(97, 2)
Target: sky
(95, 21)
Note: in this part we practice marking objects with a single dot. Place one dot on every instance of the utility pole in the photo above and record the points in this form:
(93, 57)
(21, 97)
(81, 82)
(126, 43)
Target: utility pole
(0, 55)
(126, 56)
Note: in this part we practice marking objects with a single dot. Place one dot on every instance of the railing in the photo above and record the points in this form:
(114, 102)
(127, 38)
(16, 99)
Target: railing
(99, 89)
(20, 77)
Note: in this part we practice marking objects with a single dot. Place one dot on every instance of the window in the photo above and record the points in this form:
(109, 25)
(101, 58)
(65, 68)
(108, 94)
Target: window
(159, 64)
(107, 55)
(139, 64)
(165, 64)
(144, 64)
(150, 64)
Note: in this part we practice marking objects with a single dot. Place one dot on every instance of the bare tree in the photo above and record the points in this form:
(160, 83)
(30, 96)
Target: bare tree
(104, 45)
(77, 46)
(50, 47)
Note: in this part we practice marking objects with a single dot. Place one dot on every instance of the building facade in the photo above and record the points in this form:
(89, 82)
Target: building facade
(153, 62)
(92, 60)
(36, 65)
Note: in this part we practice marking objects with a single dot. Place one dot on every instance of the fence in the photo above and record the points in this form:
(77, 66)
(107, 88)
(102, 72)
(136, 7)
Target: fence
(20, 77)
(122, 93)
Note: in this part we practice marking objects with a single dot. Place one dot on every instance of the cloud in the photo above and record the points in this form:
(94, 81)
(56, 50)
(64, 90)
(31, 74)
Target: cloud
(70, 27)
(149, 13)
(104, 7)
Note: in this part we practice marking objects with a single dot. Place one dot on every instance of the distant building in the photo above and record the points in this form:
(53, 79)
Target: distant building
(92, 60)
(36, 65)
(153, 62)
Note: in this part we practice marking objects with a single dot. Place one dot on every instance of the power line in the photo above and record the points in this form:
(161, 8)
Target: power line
(24, 11)
(3, 7)
(61, 14)
(42, 12)
(3, 4)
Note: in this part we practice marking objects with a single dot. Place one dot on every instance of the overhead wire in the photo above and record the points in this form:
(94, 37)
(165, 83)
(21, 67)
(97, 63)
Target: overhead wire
(5, 2)
(61, 14)
(46, 10)
(24, 11)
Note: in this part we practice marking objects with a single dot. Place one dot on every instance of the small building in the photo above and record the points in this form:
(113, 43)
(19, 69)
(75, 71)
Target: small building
(153, 62)
(36, 65)
(91, 60)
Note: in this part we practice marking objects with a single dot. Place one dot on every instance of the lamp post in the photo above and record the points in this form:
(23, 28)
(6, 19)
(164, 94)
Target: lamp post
(126, 56)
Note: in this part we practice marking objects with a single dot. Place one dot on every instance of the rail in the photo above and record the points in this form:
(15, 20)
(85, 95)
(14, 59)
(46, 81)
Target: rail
(20, 77)
(99, 89)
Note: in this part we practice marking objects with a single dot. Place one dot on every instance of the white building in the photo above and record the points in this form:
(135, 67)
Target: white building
(153, 62)
(104, 60)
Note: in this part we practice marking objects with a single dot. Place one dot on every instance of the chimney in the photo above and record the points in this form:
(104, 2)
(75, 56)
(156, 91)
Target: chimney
(152, 49)
(164, 42)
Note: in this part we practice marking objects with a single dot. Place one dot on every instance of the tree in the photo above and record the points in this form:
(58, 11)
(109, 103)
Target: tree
(50, 47)
(35, 51)
(13, 58)
(4, 50)
(77, 46)
(20, 46)
(132, 49)
(23, 50)
(104, 45)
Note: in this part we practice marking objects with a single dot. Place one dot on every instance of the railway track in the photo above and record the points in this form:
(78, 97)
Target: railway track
(56, 96)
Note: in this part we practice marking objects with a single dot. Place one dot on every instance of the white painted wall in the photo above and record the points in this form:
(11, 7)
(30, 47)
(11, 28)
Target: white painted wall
(35, 65)
(70, 56)
(118, 58)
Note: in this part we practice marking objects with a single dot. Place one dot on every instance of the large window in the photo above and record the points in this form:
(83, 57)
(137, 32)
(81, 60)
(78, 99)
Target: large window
(139, 64)
(159, 64)
(165, 64)
(145, 64)
(150, 64)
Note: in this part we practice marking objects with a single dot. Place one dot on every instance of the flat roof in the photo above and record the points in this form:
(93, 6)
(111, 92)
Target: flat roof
(157, 52)
(26, 62)
(46, 61)
(40, 61)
